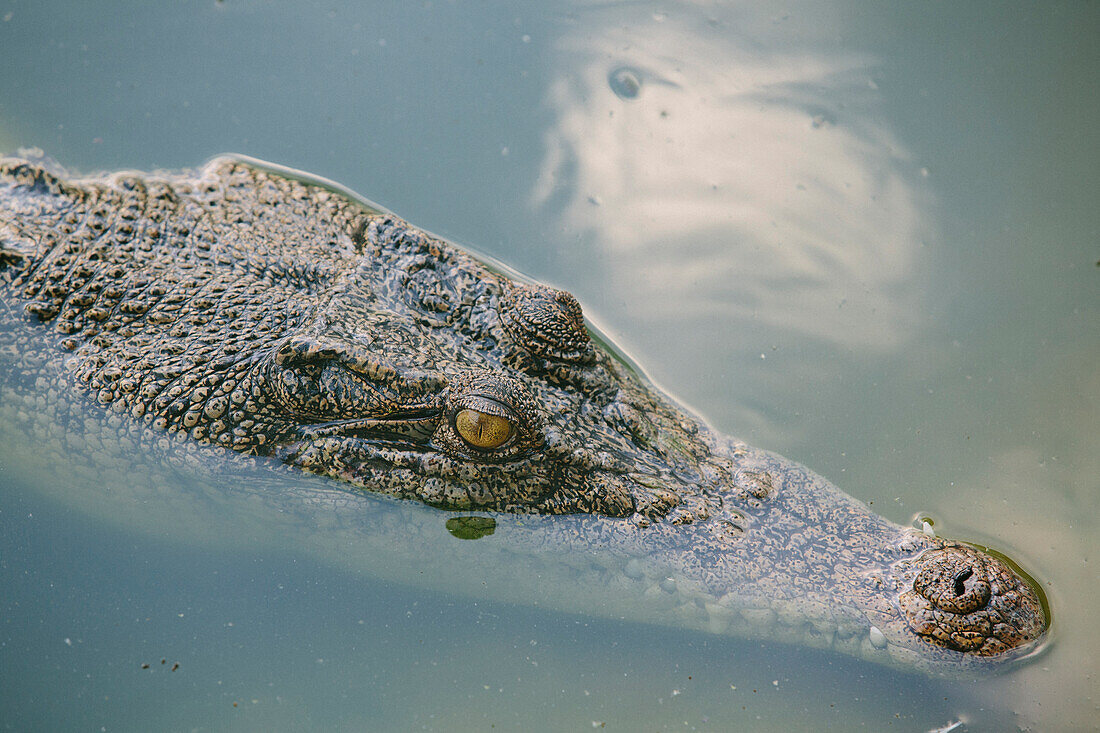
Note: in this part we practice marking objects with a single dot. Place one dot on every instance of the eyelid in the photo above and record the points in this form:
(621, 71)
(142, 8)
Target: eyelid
(488, 405)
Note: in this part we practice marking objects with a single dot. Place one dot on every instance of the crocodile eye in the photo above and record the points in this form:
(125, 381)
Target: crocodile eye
(488, 417)
(482, 430)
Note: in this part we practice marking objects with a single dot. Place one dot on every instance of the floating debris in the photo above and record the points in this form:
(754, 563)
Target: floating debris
(625, 82)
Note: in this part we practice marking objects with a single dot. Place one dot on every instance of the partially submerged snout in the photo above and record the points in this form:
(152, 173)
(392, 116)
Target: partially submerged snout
(812, 565)
(970, 601)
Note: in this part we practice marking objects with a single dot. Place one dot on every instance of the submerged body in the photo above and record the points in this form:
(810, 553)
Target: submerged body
(251, 309)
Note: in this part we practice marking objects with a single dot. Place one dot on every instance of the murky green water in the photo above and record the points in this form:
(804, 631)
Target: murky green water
(864, 237)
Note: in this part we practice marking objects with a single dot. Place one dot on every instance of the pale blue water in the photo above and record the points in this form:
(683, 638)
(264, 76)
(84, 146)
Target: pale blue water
(865, 237)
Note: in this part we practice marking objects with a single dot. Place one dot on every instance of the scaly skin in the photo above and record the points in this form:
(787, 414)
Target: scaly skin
(255, 309)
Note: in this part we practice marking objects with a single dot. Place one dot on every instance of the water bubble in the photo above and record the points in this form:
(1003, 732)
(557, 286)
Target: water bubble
(625, 82)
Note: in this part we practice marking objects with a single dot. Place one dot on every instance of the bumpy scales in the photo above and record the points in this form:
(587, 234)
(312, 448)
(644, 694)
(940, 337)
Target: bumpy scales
(262, 311)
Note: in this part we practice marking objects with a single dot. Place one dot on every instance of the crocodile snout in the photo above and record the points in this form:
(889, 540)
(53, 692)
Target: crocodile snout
(970, 601)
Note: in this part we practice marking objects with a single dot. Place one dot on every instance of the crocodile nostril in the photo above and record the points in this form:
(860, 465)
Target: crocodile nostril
(943, 580)
(971, 601)
(960, 578)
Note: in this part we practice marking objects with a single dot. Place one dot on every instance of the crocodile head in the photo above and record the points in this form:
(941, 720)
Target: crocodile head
(465, 389)
(260, 310)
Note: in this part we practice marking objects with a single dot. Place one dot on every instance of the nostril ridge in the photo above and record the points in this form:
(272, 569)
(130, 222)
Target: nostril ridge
(960, 578)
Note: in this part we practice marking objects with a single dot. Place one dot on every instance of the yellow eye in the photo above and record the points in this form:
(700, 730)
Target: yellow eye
(482, 430)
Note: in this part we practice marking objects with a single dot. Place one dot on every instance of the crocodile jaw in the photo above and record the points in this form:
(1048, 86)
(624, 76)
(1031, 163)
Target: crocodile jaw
(844, 579)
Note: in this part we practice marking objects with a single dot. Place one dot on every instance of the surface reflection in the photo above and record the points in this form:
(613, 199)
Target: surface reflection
(724, 177)
(1031, 496)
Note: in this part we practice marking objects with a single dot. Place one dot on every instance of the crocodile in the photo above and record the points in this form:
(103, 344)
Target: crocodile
(251, 310)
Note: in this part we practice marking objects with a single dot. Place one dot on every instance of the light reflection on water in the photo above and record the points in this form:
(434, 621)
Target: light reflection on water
(752, 183)
(930, 342)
